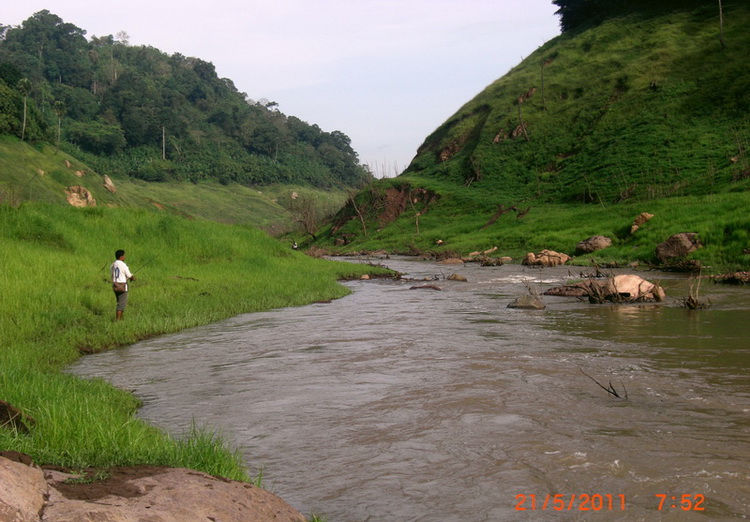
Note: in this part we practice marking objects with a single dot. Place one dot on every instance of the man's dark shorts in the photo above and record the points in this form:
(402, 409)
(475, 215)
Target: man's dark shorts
(122, 300)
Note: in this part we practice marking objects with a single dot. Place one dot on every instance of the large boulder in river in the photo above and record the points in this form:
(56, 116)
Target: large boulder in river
(133, 493)
(545, 258)
(593, 244)
(678, 246)
(630, 287)
(623, 287)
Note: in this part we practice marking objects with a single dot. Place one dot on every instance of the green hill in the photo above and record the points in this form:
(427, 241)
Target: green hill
(641, 109)
(40, 173)
(136, 112)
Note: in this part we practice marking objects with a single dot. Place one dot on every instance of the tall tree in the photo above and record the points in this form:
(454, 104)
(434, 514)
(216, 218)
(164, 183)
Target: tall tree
(24, 87)
(60, 110)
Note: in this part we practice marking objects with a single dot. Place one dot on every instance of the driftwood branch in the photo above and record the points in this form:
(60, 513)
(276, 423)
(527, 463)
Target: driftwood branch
(609, 389)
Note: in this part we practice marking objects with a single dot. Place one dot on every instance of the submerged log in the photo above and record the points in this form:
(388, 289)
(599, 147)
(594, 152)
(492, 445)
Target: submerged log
(425, 287)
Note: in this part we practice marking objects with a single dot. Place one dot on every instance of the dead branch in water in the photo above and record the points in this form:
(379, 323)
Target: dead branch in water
(533, 292)
(692, 302)
(609, 389)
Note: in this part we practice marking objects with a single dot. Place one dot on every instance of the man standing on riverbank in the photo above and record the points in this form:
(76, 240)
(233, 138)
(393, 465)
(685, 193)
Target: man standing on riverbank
(120, 277)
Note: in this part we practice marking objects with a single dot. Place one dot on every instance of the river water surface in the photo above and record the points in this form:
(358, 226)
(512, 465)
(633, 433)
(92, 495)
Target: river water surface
(394, 404)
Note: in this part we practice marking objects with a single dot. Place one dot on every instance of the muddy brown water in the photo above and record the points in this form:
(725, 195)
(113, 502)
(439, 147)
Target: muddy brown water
(394, 404)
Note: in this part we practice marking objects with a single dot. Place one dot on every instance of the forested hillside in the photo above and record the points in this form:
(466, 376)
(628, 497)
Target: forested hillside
(135, 111)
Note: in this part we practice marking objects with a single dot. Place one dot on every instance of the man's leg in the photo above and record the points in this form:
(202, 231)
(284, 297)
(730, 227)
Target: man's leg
(122, 302)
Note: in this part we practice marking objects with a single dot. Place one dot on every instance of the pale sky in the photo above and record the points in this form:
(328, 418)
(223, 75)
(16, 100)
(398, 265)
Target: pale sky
(384, 72)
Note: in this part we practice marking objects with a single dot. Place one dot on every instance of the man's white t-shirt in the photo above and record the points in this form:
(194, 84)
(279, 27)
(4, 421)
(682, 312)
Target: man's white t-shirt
(120, 273)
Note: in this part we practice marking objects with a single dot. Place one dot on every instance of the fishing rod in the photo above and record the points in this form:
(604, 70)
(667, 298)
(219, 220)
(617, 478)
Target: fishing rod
(146, 263)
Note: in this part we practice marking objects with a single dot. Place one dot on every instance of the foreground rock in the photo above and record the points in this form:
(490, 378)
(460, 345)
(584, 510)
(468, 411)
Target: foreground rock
(624, 287)
(28, 493)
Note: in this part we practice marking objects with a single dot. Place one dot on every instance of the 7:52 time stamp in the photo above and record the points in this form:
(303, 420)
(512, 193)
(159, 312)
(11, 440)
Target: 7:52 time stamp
(599, 502)
(684, 502)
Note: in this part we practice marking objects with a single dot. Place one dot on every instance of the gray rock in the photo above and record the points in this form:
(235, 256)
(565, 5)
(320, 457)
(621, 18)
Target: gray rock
(528, 302)
(677, 246)
(593, 244)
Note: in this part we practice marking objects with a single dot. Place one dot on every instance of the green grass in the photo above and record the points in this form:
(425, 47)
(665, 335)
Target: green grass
(40, 173)
(458, 218)
(57, 302)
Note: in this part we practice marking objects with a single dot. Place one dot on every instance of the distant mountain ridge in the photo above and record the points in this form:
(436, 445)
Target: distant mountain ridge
(135, 111)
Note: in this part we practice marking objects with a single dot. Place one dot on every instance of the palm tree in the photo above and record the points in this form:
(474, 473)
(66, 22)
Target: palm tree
(24, 85)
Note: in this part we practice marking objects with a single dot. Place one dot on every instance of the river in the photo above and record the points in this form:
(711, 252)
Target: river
(400, 404)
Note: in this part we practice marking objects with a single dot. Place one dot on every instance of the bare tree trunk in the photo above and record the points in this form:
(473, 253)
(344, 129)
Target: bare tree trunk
(520, 119)
(353, 201)
(23, 127)
(306, 215)
(544, 103)
(416, 212)
(721, 26)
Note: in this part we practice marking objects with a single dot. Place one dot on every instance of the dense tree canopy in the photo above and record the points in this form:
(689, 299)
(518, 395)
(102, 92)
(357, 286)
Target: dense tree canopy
(134, 110)
(575, 14)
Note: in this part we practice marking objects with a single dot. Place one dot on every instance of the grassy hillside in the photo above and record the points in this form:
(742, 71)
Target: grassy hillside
(596, 126)
(41, 173)
(56, 302)
(633, 108)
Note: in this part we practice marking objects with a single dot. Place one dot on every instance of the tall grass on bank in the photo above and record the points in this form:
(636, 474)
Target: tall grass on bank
(56, 302)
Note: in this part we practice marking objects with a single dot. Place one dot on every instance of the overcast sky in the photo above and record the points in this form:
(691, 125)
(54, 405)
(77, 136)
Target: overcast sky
(385, 72)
